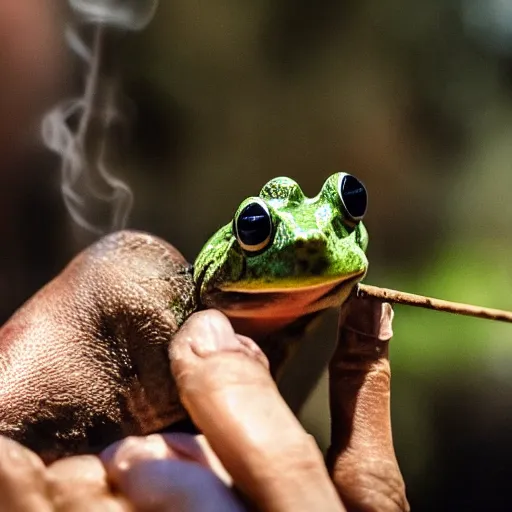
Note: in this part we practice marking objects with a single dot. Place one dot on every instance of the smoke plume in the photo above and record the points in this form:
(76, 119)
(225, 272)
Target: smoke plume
(79, 129)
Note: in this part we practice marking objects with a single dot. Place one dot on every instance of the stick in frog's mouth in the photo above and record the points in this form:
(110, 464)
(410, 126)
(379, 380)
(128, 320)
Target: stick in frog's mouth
(289, 302)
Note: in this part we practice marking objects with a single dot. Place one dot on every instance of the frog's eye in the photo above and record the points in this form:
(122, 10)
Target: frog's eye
(353, 196)
(253, 226)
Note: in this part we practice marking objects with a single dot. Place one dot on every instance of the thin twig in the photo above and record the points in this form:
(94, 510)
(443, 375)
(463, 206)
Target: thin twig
(410, 299)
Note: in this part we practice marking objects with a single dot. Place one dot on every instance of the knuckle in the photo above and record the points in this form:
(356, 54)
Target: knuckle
(301, 456)
(81, 474)
(376, 487)
(23, 478)
(16, 460)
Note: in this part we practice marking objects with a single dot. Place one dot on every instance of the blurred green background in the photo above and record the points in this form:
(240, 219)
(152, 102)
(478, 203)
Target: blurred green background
(414, 98)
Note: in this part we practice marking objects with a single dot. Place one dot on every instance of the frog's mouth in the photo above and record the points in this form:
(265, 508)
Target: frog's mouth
(287, 302)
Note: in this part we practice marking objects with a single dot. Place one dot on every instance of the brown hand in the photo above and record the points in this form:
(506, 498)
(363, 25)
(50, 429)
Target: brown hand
(224, 383)
(84, 362)
(222, 379)
(225, 386)
(140, 474)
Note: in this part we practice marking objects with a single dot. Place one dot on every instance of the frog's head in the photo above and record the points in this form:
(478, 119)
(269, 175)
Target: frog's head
(285, 255)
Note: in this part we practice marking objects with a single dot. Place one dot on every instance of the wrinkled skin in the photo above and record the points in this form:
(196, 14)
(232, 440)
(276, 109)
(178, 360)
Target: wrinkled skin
(85, 362)
(224, 383)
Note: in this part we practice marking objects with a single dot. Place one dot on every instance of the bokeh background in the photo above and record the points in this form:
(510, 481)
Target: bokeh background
(217, 97)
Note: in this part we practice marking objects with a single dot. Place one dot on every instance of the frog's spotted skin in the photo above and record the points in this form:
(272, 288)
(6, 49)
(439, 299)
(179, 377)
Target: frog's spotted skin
(313, 260)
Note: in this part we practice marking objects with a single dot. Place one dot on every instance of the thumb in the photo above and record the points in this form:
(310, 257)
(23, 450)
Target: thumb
(225, 385)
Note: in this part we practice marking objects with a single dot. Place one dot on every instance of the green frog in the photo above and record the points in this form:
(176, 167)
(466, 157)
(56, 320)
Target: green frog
(85, 361)
(284, 258)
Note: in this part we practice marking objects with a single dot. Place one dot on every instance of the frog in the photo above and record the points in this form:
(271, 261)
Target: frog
(284, 259)
(85, 362)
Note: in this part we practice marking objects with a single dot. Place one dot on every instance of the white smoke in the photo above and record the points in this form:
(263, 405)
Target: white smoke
(77, 128)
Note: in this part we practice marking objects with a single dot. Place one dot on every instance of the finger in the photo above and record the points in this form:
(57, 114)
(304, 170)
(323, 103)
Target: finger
(23, 485)
(213, 460)
(79, 484)
(178, 445)
(362, 458)
(228, 391)
(157, 446)
(167, 473)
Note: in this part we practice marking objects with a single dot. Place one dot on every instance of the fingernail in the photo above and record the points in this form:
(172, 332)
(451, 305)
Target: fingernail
(371, 318)
(135, 449)
(386, 322)
(215, 335)
(187, 446)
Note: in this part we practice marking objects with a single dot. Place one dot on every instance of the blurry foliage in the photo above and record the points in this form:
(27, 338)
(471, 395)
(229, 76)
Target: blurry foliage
(414, 98)
(410, 98)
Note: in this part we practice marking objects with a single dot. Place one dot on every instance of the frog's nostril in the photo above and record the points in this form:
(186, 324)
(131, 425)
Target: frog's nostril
(314, 250)
(302, 265)
(312, 246)
(310, 253)
(312, 265)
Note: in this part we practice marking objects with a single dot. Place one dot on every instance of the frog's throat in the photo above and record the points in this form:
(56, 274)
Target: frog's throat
(268, 302)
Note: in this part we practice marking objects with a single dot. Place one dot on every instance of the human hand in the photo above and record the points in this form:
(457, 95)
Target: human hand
(224, 383)
(174, 472)
(129, 274)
